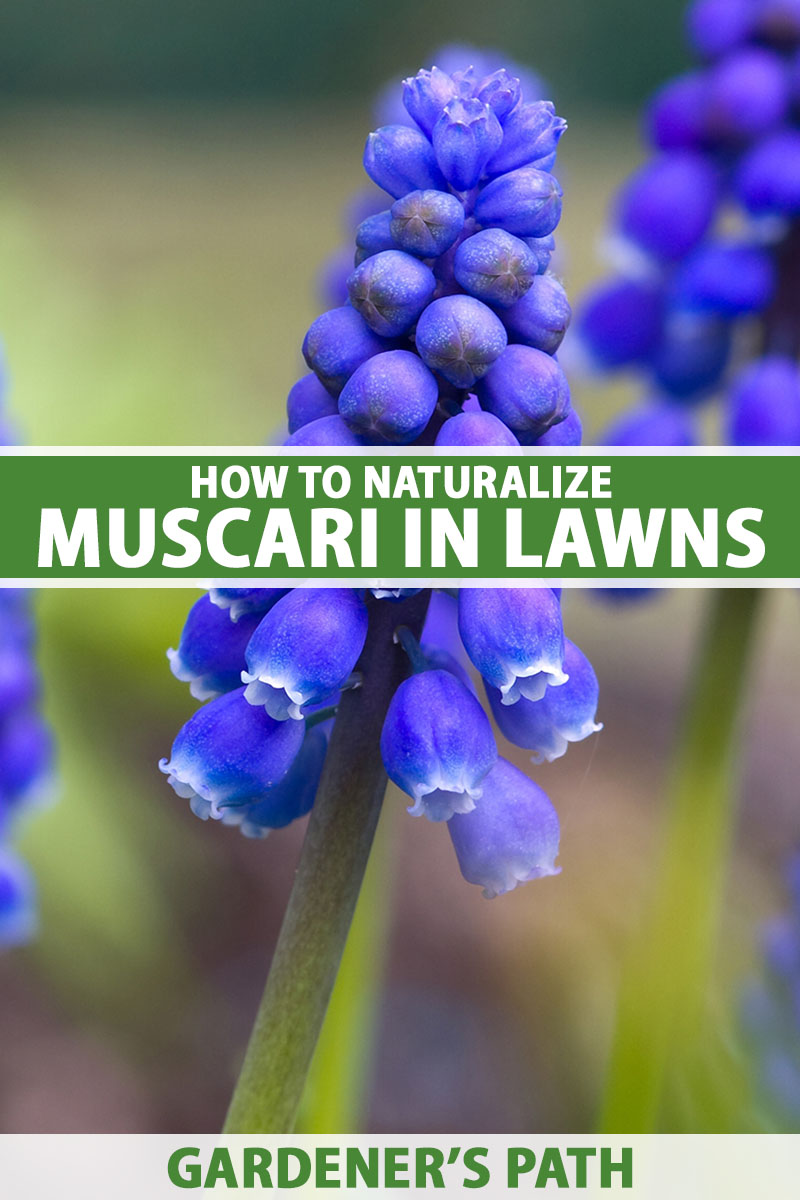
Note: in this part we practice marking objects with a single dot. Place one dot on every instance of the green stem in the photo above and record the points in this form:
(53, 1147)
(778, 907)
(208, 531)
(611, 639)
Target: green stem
(665, 980)
(326, 887)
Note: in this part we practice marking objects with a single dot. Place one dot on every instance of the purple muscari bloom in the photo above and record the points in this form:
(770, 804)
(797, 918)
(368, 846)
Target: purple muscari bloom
(717, 26)
(241, 600)
(729, 279)
(530, 138)
(510, 837)
(541, 317)
(564, 714)
(426, 95)
(437, 744)
(426, 223)
(542, 249)
(495, 266)
(669, 203)
(526, 389)
(465, 137)
(763, 406)
(460, 337)
(210, 654)
(17, 901)
(392, 395)
(475, 429)
(19, 681)
(304, 650)
(692, 355)
(401, 159)
(325, 431)
(526, 202)
(25, 756)
(515, 638)
(338, 342)
(767, 179)
(373, 235)
(651, 424)
(502, 92)
(675, 117)
(748, 94)
(620, 322)
(568, 432)
(390, 290)
(230, 754)
(309, 400)
(287, 800)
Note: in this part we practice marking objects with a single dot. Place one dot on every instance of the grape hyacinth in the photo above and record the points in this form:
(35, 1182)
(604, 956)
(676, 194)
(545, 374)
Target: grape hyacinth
(448, 336)
(705, 242)
(25, 754)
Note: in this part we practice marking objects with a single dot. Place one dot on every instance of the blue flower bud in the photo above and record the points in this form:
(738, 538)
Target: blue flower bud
(541, 317)
(669, 203)
(308, 401)
(426, 223)
(17, 901)
(289, 799)
(304, 649)
(564, 714)
(526, 389)
(338, 342)
(767, 179)
(510, 837)
(526, 202)
(515, 638)
(675, 118)
(25, 757)
(241, 600)
(400, 160)
(390, 290)
(568, 432)
(495, 266)
(437, 744)
(464, 139)
(748, 94)
(475, 429)
(728, 279)
(530, 138)
(210, 654)
(373, 235)
(652, 424)
(229, 754)
(425, 96)
(620, 322)
(392, 395)
(326, 431)
(542, 249)
(501, 91)
(692, 354)
(763, 407)
(460, 337)
(715, 27)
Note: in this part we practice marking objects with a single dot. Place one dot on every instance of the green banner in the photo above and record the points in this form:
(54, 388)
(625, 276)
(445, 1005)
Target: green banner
(171, 515)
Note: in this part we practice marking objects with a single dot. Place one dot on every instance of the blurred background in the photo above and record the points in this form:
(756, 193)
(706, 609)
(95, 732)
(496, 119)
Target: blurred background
(173, 176)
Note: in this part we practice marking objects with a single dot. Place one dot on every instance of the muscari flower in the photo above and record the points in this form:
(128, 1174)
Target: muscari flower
(447, 338)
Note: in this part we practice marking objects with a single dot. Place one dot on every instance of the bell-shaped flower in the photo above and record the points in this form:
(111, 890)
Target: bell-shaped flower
(305, 649)
(437, 744)
(465, 137)
(515, 638)
(530, 138)
(230, 754)
(426, 94)
(293, 797)
(510, 837)
(564, 714)
(210, 653)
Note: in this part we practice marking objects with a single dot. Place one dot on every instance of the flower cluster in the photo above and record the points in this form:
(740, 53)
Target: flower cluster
(706, 241)
(448, 338)
(772, 1008)
(25, 754)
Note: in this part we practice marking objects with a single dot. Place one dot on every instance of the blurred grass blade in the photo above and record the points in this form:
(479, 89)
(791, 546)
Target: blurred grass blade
(665, 981)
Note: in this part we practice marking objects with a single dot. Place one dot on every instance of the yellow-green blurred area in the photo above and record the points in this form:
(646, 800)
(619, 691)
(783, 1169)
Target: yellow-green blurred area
(158, 268)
